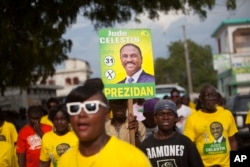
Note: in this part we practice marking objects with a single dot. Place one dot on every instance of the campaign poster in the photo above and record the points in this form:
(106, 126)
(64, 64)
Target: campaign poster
(127, 63)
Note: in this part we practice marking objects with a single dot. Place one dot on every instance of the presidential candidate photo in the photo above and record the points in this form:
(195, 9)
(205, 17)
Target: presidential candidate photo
(131, 60)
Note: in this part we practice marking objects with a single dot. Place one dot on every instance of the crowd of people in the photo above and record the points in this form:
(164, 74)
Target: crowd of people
(90, 130)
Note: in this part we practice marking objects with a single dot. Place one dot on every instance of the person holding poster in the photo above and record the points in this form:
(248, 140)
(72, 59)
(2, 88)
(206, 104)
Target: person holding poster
(131, 59)
(122, 122)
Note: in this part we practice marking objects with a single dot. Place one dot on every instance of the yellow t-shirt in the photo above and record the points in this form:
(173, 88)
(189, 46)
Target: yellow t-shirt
(116, 153)
(8, 132)
(247, 122)
(7, 155)
(45, 120)
(198, 129)
(192, 105)
(53, 146)
(192, 110)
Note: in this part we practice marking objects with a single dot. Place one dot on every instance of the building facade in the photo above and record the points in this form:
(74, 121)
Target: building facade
(14, 98)
(73, 73)
(233, 59)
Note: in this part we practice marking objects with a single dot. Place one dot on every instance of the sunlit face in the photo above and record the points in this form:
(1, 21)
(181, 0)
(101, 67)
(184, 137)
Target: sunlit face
(216, 130)
(208, 98)
(60, 122)
(165, 119)
(89, 127)
(131, 59)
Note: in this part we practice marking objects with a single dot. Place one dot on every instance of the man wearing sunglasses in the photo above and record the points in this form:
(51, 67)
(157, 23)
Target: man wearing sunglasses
(88, 109)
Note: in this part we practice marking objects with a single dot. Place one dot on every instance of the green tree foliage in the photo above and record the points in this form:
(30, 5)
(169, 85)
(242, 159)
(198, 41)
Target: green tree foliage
(108, 13)
(173, 69)
(31, 42)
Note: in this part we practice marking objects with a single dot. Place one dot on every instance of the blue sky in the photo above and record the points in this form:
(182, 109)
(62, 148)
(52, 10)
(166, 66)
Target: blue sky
(164, 31)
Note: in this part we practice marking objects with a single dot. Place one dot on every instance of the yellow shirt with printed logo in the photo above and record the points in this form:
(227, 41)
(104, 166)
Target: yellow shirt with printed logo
(197, 128)
(53, 146)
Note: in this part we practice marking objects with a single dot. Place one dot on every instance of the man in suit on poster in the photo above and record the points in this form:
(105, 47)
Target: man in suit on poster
(216, 129)
(131, 59)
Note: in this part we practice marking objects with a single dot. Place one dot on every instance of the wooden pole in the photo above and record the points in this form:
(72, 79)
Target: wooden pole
(190, 85)
(130, 112)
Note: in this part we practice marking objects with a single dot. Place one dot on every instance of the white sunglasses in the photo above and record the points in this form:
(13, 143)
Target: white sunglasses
(90, 107)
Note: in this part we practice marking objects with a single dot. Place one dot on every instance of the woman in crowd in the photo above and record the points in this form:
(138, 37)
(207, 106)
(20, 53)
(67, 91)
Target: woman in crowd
(56, 142)
(88, 109)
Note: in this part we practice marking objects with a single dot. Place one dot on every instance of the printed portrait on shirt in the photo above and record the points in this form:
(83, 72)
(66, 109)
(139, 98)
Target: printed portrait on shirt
(2, 138)
(218, 144)
(216, 129)
(61, 148)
